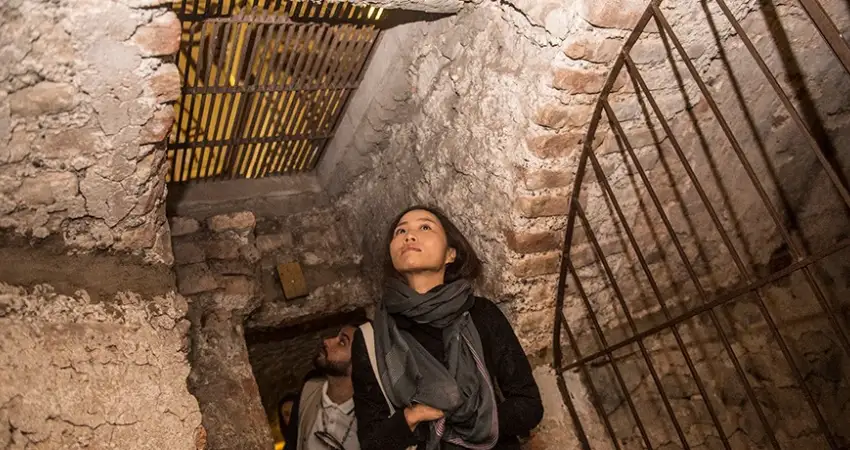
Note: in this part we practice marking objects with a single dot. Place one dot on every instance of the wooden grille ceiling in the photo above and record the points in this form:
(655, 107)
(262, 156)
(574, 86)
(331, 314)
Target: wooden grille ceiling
(264, 83)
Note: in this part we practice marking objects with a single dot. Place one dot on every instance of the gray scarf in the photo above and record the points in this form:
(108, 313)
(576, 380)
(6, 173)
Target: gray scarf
(462, 388)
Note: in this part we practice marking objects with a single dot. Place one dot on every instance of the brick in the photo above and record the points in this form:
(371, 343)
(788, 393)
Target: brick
(620, 14)
(160, 37)
(593, 49)
(222, 249)
(181, 226)
(165, 83)
(543, 206)
(579, 81)
(556, 145)
(188, 253)
(233, 221)
(560, 116)
(194, 279)
(533, 242)
(545, 178)
(537, 265)
(43, 98)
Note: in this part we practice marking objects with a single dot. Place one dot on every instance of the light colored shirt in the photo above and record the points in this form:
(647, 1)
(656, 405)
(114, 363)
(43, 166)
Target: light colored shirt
(337, 420)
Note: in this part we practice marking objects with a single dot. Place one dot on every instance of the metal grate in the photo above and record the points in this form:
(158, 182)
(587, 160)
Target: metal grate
(583, 232)
(264, 84)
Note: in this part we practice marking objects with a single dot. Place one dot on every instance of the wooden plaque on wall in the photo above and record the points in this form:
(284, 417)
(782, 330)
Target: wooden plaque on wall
(292, 280)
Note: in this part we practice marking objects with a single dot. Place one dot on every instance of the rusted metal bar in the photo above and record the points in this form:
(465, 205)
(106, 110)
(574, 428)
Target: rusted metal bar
(594, 394)
(221, 98)
(220, 132)
(813, 144)
(773, 213)
(600, 174)
(730, 297)
(279, 79)
(293, 105)
(204, 59)
(274, 67)
(177, 155)
(610, 356)
(829, 31)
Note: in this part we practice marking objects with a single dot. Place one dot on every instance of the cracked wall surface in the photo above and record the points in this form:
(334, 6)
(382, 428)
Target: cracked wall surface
(84, 374)
(83, 120)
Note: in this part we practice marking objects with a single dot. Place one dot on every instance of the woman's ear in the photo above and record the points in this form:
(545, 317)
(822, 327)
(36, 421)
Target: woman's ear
(451, 255)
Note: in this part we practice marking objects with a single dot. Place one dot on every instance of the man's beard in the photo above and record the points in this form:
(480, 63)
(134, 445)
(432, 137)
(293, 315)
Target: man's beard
(331, 368)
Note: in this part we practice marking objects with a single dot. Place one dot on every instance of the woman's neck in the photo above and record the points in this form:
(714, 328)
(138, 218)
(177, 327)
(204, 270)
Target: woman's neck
(423, 282)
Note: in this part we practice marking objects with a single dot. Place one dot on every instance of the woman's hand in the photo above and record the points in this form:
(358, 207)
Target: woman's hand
(417, 413)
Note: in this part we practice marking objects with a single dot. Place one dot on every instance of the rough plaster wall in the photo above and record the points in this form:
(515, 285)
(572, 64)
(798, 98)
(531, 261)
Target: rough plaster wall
(102, 374)
(447, 125)
(82, 118)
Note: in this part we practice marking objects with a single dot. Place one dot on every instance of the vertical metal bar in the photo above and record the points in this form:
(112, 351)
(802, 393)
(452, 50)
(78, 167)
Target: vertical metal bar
(186, 72)
(598, 329)
(813, 144)
(600, 255)
(273, 67)
(204, 58)
(220, 132)
(224, 35)
(829, 31)
(680, 250)
(777, 221)
(246, 61)
(268, 124)
(600, 174)
(594, 394)
(252, 95)
(290, 110)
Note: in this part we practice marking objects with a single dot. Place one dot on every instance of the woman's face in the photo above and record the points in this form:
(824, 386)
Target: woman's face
(419, 244)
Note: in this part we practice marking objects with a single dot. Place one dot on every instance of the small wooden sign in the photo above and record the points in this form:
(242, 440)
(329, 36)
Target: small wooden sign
(292, 280)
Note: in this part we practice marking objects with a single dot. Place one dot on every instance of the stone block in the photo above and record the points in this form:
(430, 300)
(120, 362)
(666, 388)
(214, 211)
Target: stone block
(165, 83)
(556, 145)
(537, 265)
(593, 49)
(47, 188)
(43, 98)
(181, 226)
(195, 279)
(239, 294)
(222, 249)
(579, 80)
(156, 129)
(533, 241)
(271, 242)
(560, 116)
(234, 221)
(542, 205)
(188, 253)
(545, 178)
(620, 14)
(160, 37)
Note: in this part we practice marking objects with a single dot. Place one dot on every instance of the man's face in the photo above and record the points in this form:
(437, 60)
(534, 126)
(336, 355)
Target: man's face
(334, 357)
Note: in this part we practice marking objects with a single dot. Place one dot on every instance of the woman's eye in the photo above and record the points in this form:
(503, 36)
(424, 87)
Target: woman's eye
(399, 231)
(425, 227)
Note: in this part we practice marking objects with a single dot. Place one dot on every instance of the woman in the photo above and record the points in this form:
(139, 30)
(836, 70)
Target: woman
(430, 334)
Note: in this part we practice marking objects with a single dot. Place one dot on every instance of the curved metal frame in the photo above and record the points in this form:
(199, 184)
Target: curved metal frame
(802, 262)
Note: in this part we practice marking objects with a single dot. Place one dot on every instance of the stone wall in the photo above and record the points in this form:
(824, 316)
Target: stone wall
(226, 266)
(82, 122)
(83, 373)
(94, 337)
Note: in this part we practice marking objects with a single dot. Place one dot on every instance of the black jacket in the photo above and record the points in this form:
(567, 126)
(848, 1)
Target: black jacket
(519, 405)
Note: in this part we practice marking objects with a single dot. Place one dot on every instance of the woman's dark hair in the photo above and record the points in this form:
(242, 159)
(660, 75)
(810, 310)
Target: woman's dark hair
(466, 264)
(286, 398)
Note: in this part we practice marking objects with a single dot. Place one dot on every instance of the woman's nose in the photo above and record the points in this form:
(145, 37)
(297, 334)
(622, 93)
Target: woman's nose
(409, 237)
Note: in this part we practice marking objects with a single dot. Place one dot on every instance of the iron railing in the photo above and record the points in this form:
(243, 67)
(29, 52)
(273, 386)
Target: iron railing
(709, 303)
